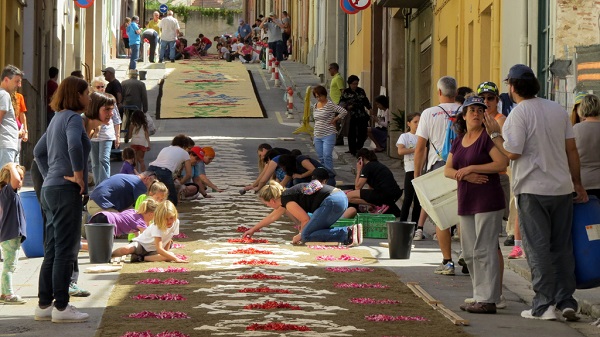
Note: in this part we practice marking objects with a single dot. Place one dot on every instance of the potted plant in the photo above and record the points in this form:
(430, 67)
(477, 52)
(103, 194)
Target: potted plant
(395, 129)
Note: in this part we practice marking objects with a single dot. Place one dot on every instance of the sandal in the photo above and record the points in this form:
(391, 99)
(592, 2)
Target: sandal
(12, 299)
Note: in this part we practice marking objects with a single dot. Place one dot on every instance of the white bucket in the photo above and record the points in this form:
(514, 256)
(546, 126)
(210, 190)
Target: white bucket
(437, 195)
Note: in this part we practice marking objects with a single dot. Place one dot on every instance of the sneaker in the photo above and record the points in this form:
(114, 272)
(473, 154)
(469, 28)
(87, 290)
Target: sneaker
(12, 299)
(289, 116)
(455, 236)
(354, 235)
(359, 234)
(463, 263)
(570, 315)
(69, 315)
(193, 197)
(445, 269)
(548, 315)
(502, 304)
(75, 291)
(510, 240)
(434, 237)
(43, 314)
(380, 209)
(516, 253)
(418, 235)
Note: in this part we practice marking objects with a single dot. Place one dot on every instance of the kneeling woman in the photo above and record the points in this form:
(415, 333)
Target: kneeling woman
(326, 203)
(383, 191)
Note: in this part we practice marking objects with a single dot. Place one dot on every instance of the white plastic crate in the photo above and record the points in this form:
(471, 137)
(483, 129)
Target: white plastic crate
(437, 195)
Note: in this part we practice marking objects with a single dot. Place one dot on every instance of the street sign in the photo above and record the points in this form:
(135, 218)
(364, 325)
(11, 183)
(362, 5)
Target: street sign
(360, 4)
(163, 8)
(346, 7)
(84, 3)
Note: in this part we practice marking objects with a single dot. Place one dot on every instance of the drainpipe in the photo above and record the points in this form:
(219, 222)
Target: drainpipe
(525, 35)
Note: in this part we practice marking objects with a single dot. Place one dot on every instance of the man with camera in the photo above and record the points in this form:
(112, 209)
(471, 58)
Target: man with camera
(274, 28)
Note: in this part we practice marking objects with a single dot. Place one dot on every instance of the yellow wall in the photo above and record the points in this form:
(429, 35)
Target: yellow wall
(466, 42)
(359, 47)
(11, 33)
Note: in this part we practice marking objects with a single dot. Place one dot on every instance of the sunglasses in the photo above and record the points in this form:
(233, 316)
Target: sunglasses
(99, 86)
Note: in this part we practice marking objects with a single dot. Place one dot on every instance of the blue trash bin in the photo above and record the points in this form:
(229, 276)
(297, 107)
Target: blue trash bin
(586, 246)
(33, 246)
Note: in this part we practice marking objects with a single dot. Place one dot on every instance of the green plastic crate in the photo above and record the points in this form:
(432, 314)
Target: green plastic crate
(344, 223)
(374, 225)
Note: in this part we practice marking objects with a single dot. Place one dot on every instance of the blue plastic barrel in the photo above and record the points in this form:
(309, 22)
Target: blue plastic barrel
(33, 246)
(586, 243)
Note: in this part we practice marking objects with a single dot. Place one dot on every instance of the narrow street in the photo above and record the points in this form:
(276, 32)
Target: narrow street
(215, 220)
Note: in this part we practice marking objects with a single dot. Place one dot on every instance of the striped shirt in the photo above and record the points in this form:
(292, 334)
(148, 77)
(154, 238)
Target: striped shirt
(323, 117)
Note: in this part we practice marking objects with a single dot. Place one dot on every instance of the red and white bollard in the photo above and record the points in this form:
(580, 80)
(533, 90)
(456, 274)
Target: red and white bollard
(270, 58)
(290, 103)
(273, 68)
(276, 71)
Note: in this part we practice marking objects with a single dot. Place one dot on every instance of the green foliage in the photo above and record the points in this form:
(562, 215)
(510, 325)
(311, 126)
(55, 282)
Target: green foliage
(398, 120)
(183, 12)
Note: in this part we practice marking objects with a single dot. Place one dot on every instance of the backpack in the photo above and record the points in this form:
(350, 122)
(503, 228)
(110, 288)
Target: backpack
(507, 104)
(450, 134)
(151, 126)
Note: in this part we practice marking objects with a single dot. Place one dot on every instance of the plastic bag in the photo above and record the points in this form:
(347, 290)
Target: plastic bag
(151, 126)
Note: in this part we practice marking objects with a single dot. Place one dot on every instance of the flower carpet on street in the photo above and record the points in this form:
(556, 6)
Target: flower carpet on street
(263, 287)
(209, 89)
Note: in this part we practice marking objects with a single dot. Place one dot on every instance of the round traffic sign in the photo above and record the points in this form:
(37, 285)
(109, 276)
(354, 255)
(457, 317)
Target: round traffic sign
(360, 4)
(84, 3)
(346, 7)
(163, 8)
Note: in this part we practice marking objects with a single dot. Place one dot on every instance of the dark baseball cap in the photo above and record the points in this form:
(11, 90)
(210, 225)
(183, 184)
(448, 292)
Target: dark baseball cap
(475, 100)
(520, 72)
(109, 70)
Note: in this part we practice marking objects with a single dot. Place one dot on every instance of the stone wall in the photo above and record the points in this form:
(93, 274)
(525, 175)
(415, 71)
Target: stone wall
(208, 25)
(577, 24)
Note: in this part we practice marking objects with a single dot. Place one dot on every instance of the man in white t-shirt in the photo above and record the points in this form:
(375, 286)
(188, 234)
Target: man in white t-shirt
(169, 31)
(538, 138)
(10, 81)
(432, 128)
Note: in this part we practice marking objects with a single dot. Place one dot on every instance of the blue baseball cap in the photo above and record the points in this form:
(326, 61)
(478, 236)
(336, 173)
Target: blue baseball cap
(520, 72)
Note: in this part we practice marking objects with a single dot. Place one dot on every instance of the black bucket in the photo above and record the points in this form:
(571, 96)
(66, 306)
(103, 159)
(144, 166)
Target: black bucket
(100, 237)
(400, 236)
(142, 74)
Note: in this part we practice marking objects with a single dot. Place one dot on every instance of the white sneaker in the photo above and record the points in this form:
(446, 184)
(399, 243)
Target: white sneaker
(548, 315)
(69, 315)
(289, 116)
(354, 230)
(43, 314)
(359, 234)
(418, 235)
(502, 304)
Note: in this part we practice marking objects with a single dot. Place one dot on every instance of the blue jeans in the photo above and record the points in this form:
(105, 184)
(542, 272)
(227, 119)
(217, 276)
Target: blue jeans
(7, 156)
(163, 50)
(62, 206)
(324, 147)
(101, 160)
(165, 176)
(330, 211)
(135, 54)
